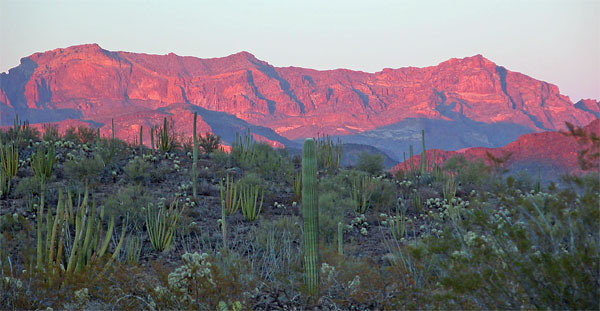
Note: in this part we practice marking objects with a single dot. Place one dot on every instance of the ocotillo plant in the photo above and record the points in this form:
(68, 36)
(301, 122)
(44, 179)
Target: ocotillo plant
(195, 160)
(310, 215)
(423, 155)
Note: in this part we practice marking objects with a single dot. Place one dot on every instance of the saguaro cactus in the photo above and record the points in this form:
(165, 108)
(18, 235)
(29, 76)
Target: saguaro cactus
(423, 154)
(310, 215)
(152, 138)
(141, 139)
(195, 160)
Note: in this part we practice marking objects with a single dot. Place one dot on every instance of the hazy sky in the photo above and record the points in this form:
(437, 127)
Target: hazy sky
(554, 41)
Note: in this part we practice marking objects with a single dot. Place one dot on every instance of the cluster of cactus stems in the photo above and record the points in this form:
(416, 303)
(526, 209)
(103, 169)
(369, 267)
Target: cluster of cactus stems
(243, 148)
(165, 138)
(398, 224)
(133, 250)
(89, 244)
(417, 201)
(424, 166)
(298, 186)
(362, 190)
(329, 153)
(449, 189)
(310, 215)
(9, 156)
(249, 201)
(229, 195)
(162, 224)
(195, 160)
(9, 159)
(42, 163)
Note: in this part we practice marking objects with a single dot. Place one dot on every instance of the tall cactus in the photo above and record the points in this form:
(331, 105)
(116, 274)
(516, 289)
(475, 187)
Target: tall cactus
(310, 215)
(195, 160)
(423, 154)
(141, 139)
(152, 138)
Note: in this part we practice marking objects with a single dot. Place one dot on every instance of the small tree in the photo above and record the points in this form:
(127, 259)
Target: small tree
(370, 163)
(209, 142)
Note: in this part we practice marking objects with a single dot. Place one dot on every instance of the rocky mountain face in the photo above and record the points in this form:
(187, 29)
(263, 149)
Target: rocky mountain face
(553, 153)
(471, 100)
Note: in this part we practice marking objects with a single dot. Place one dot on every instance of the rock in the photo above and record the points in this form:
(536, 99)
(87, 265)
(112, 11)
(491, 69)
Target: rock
(553, 152)
(278, 104)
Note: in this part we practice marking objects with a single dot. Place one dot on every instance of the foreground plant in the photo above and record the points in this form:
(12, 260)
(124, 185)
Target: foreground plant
(88, 245)
(362, 190)
(9, 157)
(162, 224)
(310, 215)
(230, 193)
(249, 202)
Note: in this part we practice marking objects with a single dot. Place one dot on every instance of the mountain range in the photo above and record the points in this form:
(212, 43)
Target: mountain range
(460, 103)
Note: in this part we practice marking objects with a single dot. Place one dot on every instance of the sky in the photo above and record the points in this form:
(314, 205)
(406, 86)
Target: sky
(554, 41)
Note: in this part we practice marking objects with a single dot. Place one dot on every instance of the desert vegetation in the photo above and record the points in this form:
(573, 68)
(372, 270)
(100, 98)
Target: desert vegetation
(91, 222)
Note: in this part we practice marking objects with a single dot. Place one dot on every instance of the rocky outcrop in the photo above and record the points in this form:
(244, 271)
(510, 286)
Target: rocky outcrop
(89, 83)
(553, 152)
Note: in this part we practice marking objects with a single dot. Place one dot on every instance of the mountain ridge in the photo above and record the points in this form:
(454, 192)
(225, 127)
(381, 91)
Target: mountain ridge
(87, 82)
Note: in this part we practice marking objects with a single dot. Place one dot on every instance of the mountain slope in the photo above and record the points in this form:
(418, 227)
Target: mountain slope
(554, 153)
(87, 82)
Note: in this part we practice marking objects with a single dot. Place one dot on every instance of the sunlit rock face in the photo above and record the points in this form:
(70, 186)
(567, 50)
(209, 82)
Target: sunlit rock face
(553, 153)
(89, 83)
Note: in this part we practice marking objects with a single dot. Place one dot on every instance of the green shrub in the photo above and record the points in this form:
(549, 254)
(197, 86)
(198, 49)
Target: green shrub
(138, 170)
(383, 195)
(209, 142)
(370, 163)
(276, 246)
(468, 173)
(81, 134)
(131, 202)
(517, 251)
(51, 133)
(84, 168)
(27, 187)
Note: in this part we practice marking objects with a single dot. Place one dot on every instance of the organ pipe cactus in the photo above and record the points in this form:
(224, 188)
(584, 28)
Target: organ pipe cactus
(310, 215)
(195, 160)
(9, 156)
